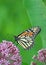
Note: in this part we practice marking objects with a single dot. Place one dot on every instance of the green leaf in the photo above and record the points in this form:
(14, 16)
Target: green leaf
(44, 1)
(18, 15)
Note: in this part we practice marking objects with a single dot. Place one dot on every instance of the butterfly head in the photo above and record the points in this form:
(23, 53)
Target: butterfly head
(16, 38)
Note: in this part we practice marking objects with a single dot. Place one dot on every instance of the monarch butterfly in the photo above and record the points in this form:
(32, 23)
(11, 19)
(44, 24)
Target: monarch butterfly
(26, 38)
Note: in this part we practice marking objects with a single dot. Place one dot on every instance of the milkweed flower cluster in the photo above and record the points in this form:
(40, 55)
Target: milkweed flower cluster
(9, 54)
(41, 57)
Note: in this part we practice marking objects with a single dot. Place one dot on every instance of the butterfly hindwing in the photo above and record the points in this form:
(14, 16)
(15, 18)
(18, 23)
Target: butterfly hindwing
(26, 42)
(26, 38)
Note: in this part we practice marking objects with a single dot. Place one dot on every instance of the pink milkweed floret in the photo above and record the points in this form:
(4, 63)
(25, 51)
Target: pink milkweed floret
(9, 54)
(33, 63)
(41, 56)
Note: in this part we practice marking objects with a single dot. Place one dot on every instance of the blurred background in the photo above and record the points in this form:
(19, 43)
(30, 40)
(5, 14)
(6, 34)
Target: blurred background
(18, 15)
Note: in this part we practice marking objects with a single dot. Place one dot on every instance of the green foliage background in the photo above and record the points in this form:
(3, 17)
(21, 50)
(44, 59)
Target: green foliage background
(19, 15)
